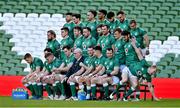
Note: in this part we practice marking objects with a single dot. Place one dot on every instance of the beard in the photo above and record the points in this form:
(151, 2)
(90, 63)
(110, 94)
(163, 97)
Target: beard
(49, 40)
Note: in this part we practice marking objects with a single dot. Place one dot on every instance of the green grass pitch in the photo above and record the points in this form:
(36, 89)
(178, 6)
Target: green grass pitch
(9, 102)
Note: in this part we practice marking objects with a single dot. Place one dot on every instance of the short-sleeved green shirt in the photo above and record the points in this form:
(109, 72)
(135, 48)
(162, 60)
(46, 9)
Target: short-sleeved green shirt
(89, 41)
(124, 26)
(131, 56)
(107, 42)
(37, 62)
(92, 25)
(140, 69)
(99, 61)
(112, 25)
(68, 60)
(89, 61)
(70, 26)
(54, 45)
(66, 42)
(78, 42)
(99, 41)
(139, 34)
(54, 64)
(81, 24)
(119, 50)
(105, 21)
(110, 63)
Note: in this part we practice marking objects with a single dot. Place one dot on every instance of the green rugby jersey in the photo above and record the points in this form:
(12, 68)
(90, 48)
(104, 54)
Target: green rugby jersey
(36, 63)
(139, 34)
(54, 45)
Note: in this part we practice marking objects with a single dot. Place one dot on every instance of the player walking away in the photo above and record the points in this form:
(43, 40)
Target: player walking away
(62, 70)
(47, 78)
(69, 24)
(74, 71)
(77, 20)
(53, 44)
(66, 40)
(95, 76)
(79, 38)
(91, 23)
(107, 39)
(88, 65)
(29, 81)
(141, 70)
(102, 17)
(88, 40)
(113, 22)
(100, 35)
(124, 23)
(141, 37)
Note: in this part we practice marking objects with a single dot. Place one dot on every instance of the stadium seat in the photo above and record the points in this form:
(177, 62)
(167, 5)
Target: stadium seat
(162, 75)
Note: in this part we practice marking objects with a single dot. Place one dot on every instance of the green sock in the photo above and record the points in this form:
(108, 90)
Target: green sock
(40, 89)
(106, 89)
(117, 95)
(93, 89)
(73, 89)
(48, 89)
(138, 94)
(88, 89)
(30, 87)
(61, 87)
(55, 88)
(35, 87)
(130, 91)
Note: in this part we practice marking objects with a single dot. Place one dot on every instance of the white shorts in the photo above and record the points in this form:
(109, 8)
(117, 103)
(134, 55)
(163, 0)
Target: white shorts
(115, 80)
(143, 52)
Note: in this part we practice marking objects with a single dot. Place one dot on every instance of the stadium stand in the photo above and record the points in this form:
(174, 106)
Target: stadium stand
(22, 19)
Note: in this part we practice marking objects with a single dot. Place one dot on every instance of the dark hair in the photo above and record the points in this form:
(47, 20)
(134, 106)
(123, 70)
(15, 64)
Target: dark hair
(125, 33)
(52, 32)
(117, 30)
(104, 25)
(67, 47)
(110, 49)
(98, 48)
(48, 50)
(87, 28)
(99, 26)
(69, 13)
(78, 28)
(47, 55)
(65, 29)
(91, 47)
(133, 21)
(110, 15)
(93, 12)
(120, 12)
(103, 11)
(77, 15)
(27, 55)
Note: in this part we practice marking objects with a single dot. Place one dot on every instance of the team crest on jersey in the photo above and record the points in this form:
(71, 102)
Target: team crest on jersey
(126, 50)
(116, 49)
(103, 45)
